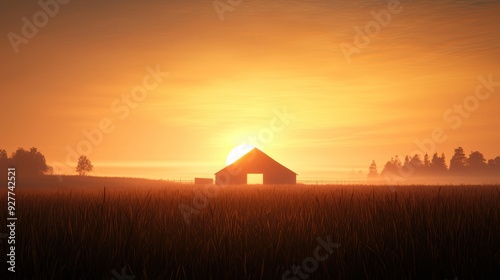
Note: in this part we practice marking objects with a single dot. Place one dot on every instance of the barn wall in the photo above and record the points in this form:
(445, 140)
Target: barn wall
(280, 178)
(224, 178)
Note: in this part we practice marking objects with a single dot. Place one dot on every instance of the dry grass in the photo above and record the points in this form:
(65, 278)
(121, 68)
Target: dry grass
(257, 232)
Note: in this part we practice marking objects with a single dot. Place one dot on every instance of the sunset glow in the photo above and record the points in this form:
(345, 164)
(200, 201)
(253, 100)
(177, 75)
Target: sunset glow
(262, 139)
(238, 152)
(170, 81)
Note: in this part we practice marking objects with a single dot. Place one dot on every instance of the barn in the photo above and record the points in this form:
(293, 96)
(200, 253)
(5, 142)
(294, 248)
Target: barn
(255, 162)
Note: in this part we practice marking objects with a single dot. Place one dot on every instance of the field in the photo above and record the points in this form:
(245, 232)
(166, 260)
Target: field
(115, 228)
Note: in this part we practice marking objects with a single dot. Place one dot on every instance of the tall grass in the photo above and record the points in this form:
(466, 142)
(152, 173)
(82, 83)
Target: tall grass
(257, 232)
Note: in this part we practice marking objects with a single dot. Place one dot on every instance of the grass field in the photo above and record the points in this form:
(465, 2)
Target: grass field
(81, 230)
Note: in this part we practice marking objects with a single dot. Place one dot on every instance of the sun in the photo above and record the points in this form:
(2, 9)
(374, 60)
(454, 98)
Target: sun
(238, 152)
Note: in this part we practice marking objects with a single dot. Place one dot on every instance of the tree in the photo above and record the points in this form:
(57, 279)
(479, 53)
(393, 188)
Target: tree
(443, 162)
(476, 163)
(413, 165)
(427, 162)
(372, 171)
(458, 162)
(4, 160)
(3, 155)
(494, 166)
(416, 161)
(392, 166)
(407, 161)
(84, 165)
(32, 162)
(4, 163)
(438, 164)
(425, 169)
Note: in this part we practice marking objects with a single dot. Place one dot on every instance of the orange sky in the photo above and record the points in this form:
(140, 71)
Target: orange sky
(227, 78)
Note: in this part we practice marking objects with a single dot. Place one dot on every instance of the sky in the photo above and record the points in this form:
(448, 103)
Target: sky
(167, 89)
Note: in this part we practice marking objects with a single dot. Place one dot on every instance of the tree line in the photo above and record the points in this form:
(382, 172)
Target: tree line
(460, 165)
(31, 163)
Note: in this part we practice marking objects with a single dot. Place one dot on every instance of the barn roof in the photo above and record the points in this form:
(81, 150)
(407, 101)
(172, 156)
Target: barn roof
(257, 160)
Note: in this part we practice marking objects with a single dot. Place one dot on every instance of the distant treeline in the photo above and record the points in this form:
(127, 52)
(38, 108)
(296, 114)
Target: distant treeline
(28, 163)
(31, 163)
(474, 165)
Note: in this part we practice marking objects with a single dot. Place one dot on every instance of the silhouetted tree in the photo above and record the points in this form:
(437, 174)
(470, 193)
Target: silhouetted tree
(476, 163)
(443, 163)
(372, 171)
(392, 166)
(410, 167)
(4, 160)
(84, 165)
(438, 165)
(427, 162)
(458, 162)
(3, 156)
(4, 163)
(416, 161)
(30, 163)
(426, 166)
(414, 166)
(407, 161)
(494, 166)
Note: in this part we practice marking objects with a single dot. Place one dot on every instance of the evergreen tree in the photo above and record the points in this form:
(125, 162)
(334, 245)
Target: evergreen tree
(438, 165)
(372, 171)
(458, 162)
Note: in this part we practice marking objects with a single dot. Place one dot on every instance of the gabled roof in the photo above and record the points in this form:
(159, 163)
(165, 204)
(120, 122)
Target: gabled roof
(256, 157)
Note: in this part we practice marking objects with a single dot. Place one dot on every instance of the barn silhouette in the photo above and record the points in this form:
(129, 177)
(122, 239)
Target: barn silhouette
(255, 162)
